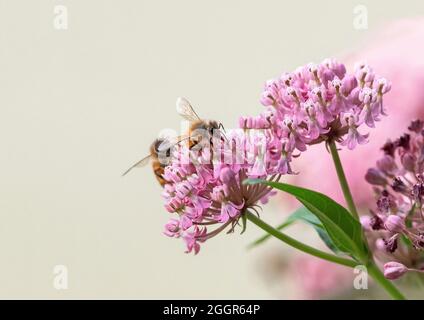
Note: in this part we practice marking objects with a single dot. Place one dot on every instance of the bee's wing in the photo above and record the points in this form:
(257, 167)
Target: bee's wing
(173, 142)
(139, 164)
(170, 143)
(186, 111)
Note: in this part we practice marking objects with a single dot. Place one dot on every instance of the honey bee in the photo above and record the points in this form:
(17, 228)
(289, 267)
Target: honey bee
(158, 147)
(199, 128)
(161, 149)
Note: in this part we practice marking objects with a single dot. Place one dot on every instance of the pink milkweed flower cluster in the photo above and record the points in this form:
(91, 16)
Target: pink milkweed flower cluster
(317, 103)
(398, 181)
(206, 191)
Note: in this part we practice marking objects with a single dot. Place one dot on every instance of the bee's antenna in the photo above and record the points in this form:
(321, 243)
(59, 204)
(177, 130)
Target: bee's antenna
(224, 133)
(221, 126)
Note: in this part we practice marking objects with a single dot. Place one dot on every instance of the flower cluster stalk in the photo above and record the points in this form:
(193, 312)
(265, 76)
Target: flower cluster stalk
(342, 179)
(373, 270)
(299, 245)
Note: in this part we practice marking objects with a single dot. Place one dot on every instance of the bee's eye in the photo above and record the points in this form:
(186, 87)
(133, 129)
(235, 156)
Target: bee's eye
(159, 145)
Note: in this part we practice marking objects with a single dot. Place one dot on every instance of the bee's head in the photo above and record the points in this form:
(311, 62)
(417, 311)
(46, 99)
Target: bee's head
(210, 126)
(213, 125)
(161, 146)
(206, 125)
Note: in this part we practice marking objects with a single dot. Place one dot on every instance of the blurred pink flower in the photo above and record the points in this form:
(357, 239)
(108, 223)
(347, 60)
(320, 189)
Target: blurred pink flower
(319, 279)
(397, 51)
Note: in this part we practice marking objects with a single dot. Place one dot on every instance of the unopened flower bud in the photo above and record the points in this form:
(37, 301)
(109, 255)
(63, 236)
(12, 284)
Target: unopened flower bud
(408, 161)
(394, 270)
(172, 228)
(375, 177)
(387, 164)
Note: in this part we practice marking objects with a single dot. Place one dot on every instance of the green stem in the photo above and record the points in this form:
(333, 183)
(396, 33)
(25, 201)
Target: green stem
(378, 276)
(299, 245)
(342, 179)
(373, 270)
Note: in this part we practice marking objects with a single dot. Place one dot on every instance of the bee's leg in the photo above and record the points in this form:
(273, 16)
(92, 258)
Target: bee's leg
(221, 126)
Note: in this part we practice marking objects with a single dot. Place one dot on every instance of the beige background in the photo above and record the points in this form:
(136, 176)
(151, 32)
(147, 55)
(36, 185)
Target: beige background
(78, 106)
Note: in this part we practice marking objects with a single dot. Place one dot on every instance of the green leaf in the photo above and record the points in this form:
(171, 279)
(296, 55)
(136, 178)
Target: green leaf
(344, 231)
(327, 240)
(303, 214)
(307, 216)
